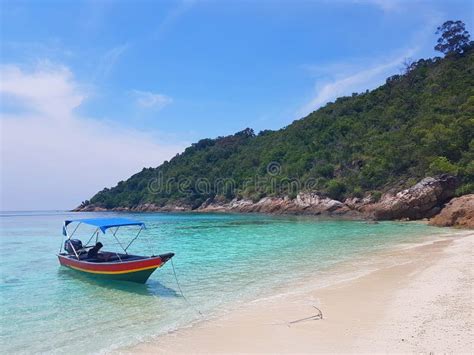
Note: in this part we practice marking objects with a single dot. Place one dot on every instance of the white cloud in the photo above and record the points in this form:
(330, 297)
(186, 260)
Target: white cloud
(338, 85)
(47, 91)
(108, 61)
(53, 158)
(147, 99)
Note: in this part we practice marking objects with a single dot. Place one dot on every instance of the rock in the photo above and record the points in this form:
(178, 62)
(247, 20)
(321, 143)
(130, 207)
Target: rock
(206, 203)
(423, 200)
(356, 203)
(89, 208)
(459, 212)
(151, 207)
(317, 203)
(304, 203)
(121, 209)
(419, 201)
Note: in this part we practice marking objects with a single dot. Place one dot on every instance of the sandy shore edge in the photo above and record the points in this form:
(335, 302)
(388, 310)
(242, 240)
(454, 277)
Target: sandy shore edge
(419, 299)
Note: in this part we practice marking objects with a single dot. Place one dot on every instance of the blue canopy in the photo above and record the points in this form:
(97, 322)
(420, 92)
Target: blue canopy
(104, 223)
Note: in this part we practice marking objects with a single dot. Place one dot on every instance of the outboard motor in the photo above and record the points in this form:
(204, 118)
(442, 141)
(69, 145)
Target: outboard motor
(72, 243)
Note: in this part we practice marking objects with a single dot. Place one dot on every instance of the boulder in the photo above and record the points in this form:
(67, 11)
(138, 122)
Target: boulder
(459, 212)
(422, 200)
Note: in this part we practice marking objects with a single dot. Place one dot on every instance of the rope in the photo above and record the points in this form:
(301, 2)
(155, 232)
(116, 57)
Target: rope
(318, 316)
(315, 317)
(181, 291)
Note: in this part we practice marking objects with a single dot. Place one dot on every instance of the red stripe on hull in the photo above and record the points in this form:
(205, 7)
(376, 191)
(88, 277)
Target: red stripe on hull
(111, 267)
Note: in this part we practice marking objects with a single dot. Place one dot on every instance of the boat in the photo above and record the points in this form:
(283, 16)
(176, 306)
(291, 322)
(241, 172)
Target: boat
(90, 259)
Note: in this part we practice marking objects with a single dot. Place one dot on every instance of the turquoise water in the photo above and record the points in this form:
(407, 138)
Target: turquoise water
(221, 259)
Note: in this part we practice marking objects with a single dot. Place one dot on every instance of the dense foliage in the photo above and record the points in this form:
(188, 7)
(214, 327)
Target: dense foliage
(416, 124)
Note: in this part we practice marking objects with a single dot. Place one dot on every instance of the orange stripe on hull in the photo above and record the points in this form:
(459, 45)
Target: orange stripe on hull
(112, 272)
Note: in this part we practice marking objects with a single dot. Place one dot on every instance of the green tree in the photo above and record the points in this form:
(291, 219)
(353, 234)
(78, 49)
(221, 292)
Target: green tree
(454, 37)
(441, 165)
(336, 189)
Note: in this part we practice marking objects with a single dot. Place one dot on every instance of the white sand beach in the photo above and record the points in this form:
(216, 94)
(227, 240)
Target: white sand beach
(419, 299)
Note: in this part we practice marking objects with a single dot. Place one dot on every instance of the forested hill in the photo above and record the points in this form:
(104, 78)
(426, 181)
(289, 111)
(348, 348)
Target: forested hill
(417, 124)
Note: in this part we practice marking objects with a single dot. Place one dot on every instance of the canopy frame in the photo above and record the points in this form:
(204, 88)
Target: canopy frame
(102, 224)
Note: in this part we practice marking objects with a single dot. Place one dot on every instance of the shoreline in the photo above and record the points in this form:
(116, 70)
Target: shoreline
(421, 202)
(406, 304)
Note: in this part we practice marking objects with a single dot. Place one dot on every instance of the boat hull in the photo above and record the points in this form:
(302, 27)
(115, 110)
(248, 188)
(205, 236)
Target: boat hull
(133, 271)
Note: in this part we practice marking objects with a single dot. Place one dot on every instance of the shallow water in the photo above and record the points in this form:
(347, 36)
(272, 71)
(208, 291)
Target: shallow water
(221, 260)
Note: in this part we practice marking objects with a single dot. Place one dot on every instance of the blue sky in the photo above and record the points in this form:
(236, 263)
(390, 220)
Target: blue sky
(112, 86)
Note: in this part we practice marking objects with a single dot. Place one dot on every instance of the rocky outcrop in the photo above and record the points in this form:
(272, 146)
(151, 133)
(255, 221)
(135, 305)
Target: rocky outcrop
(423, 200)
(459, 212)
(304, 203)
(89, 208)
(145, 207)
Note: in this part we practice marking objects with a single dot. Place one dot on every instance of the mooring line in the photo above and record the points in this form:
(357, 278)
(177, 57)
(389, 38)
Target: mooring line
(182, 293)
(318, 316)
(315, 317)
